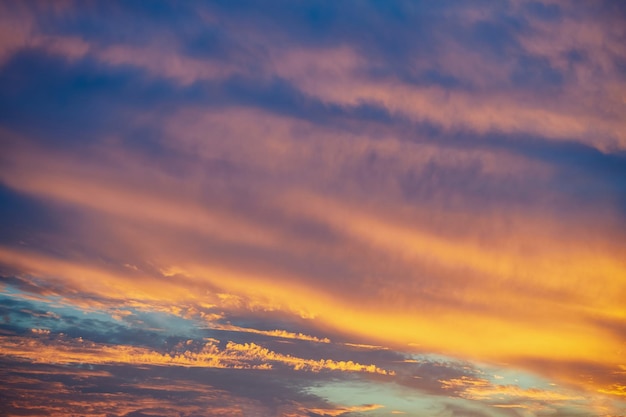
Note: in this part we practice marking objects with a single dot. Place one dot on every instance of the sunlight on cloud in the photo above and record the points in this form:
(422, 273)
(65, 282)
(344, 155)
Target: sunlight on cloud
(236, 356)
(313, 209)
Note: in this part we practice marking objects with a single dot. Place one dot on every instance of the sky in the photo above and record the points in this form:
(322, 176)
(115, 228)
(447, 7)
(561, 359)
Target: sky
(356, 208)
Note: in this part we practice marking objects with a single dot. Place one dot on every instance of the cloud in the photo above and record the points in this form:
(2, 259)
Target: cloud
(481, 389)
(58, 390)
(344, 410)
(460, 257)
(342, 75)
(273, 333)
(351, 181)
(233, 355)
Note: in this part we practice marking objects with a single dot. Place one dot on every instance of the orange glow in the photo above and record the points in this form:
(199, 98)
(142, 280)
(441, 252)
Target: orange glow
(273, 333)
(481, 389)
(344, 410)
(233, 356)
(419, 207)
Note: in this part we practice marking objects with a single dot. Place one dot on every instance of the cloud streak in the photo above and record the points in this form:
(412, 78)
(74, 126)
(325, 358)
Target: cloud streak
(232, 356)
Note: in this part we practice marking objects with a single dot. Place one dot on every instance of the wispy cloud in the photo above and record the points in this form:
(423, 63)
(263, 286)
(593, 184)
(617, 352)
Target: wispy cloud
(273, 333)
(63, 350)
(344, 410)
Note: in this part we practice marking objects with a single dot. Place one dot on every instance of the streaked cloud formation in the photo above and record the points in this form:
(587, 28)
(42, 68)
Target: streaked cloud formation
(233, 355)
(313, 209)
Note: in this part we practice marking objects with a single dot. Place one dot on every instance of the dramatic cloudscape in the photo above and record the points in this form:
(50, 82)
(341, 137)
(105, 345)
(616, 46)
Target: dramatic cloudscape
(313, 208)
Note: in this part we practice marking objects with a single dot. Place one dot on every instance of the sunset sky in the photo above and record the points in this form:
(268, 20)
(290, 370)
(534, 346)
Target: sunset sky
(295, 208)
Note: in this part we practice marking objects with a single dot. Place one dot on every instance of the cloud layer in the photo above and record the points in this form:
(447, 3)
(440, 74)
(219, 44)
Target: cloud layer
(359, 208)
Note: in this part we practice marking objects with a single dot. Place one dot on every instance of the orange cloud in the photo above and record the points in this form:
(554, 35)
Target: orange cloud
(360, 226)
(284, 334)
(253, 351)
(615, 389)
(529, 283)
(482, 389)
(64, 350)
(344, 410)
(494, 267)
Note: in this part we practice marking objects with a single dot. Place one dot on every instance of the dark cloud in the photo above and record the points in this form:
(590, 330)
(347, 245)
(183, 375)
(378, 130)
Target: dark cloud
(24, 218)
(75, 103)
(544, 11)
(128, 390)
